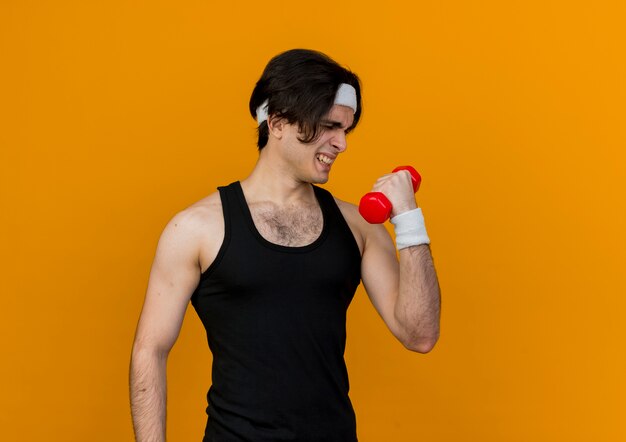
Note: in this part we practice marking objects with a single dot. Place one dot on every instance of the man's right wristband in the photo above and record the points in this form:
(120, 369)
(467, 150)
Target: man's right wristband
(410, 229)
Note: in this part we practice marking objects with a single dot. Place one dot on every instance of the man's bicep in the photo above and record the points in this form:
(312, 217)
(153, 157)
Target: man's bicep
(174, 276)
(380, 273)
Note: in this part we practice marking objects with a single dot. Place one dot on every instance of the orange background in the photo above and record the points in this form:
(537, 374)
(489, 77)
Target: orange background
(118, 114)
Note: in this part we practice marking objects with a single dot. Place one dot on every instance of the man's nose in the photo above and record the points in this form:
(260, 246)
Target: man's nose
(339, 141)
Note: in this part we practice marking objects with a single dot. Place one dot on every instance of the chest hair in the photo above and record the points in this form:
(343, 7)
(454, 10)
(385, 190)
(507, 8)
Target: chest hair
(292, 226)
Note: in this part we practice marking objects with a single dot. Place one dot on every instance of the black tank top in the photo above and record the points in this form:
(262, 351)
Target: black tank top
(275, 319)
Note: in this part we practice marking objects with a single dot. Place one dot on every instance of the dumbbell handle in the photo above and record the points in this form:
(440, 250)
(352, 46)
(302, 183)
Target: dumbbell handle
(376, 208)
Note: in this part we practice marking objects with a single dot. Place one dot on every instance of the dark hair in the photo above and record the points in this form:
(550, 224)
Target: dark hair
(300, 86)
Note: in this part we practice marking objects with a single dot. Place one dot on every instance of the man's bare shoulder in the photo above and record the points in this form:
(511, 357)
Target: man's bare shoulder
(208, 207)
(346, 208)
(361, 229)
(204, 222)
(198, 217)
(193, 227)
(351, 213)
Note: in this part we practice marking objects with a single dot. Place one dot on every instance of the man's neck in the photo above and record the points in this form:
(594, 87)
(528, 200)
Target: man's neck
(272, 181)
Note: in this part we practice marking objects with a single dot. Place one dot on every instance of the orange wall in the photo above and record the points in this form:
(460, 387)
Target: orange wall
(115, 115)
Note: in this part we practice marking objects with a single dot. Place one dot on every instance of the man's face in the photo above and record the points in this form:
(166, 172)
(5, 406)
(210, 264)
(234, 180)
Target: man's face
(312, 162)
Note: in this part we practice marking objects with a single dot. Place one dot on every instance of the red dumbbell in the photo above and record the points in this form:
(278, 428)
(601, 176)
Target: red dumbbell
(376, 208)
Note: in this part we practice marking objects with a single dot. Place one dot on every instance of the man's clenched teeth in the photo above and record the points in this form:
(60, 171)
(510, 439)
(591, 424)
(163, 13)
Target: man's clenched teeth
(324, 159)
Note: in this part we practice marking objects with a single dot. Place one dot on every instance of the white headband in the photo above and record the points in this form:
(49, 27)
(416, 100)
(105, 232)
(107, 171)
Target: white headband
(346, 96)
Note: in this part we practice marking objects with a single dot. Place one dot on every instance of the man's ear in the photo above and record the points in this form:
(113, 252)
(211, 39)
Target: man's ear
(276, 126)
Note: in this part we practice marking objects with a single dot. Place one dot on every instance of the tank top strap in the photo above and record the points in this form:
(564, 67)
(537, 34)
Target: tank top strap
(235, 217)
(327, 202)
(330, 208)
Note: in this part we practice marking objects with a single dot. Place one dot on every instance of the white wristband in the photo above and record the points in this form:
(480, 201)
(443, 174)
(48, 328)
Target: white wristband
(410, 229)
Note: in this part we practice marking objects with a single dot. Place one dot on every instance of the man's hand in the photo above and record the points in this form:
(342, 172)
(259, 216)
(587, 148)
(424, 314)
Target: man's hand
(398, 188)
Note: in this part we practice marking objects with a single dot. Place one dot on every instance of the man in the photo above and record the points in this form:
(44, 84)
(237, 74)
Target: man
(271, 264)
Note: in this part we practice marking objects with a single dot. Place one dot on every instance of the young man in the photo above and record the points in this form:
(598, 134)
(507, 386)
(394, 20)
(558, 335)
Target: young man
(271, 264)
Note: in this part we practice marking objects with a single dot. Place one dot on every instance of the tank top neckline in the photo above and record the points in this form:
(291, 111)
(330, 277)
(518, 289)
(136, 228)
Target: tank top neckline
(292, 249)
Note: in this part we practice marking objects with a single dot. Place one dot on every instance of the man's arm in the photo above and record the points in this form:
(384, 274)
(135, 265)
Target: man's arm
(406, 294)
(173, 278)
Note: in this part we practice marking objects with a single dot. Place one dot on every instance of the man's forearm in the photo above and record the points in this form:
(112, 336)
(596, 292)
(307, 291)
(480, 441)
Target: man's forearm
(418, 305)
(148, 395)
